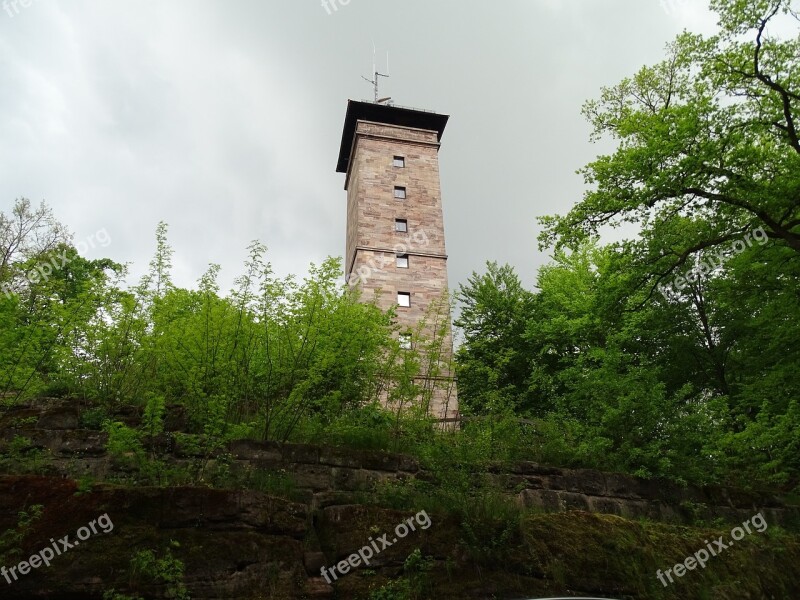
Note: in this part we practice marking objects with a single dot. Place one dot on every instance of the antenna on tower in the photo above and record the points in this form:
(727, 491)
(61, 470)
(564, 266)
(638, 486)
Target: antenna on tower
(376, 75)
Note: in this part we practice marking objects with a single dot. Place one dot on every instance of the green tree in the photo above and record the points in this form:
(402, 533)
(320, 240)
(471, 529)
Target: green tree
(604, 369)
(707, 145)
(50, 295)
(27, 233)
(701, 306)
(493, 362)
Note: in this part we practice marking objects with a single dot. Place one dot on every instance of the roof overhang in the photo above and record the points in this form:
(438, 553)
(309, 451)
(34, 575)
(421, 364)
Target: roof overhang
(390, 115)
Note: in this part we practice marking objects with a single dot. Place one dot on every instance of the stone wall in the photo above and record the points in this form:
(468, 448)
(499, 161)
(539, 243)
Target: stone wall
(245, 544)
(324, 476)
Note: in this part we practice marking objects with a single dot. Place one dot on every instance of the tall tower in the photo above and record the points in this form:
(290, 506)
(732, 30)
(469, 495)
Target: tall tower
(395, 228)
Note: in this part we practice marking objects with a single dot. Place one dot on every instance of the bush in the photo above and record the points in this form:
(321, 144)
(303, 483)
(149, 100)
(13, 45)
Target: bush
(93, 419)
(148, 568)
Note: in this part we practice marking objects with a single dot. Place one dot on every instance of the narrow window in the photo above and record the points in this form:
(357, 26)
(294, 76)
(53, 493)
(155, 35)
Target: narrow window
(401, 225)
(399, 161)
(404, 299)
(405, 341)
(402, 261)
(399, 192)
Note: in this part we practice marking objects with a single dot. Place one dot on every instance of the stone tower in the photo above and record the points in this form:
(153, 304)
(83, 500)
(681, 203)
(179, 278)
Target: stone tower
(395, 228)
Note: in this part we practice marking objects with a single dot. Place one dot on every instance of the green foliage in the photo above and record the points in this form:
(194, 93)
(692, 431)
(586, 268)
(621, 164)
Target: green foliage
(683, 390)
(493, 361)
(11, 539)
(461, 489)
(123, 442)
(673, 353)
(22, 422)
(276, 483)
(21, 456)
(599, 366)
(707, 143)
(490, 526)
(153, 418)
(369, 428)
(126, 446)
(93, 418)
(397, 589)
(114, 595)
(372, 427)
(85, 484)
(49, 296)
(271, 356)
(148, 567)
(413, 585)
(275, 359)
(263, 361)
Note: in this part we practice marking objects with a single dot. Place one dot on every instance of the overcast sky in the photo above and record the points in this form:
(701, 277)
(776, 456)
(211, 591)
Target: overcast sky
(224, 118)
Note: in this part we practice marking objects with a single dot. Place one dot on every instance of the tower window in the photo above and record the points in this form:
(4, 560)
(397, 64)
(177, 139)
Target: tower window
(401, 225)
(402, 261)
(405, 341)
(399, 192)
(404, 299)
(399, 161)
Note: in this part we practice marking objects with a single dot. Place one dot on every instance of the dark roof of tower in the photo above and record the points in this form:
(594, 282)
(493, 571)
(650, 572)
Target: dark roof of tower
(381, 113)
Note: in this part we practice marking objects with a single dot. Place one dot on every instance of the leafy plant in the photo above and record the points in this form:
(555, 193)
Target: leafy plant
(148, 567)
(22, 422)
(93, 418)
(11, 539)
(21, 456)
(114, 595)
(413, 585)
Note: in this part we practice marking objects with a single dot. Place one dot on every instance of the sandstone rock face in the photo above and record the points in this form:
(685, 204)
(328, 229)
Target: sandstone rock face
(329, 476)
(244, 544)
(232, 542)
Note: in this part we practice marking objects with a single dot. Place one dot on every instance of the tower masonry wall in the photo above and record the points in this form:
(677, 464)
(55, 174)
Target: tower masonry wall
(373, 242)
(372, 207)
